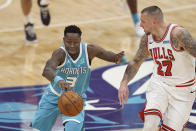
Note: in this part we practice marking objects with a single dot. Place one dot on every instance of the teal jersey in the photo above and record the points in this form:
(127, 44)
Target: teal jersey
(75, 72)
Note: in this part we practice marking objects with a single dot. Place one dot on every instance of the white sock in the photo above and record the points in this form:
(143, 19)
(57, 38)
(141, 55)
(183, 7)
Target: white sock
(28, 19)
(151, 123)
(44, 2)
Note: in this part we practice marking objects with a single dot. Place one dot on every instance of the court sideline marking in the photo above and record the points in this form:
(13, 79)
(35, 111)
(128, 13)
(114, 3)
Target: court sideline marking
(96, 20)
(8, 2)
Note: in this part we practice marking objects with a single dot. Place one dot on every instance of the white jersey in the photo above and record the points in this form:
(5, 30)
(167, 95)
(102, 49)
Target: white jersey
(171, 66)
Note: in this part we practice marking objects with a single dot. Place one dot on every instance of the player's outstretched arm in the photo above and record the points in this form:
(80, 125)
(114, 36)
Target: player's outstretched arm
(55, 60)
(99, 52)
(182, 39)
(131, 70)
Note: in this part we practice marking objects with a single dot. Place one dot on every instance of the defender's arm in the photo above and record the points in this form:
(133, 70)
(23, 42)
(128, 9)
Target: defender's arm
(131, 70)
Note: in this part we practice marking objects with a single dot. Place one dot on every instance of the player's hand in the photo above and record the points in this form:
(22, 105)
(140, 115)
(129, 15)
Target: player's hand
(63, 85)
(119, 57)
(123, 93)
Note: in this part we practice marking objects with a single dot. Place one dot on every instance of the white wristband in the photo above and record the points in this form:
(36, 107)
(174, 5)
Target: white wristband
(57, 79)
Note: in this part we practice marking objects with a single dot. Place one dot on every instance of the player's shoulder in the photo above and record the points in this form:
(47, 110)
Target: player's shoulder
(93, 50)
(59, 52)
(91, 47)
(177, 30)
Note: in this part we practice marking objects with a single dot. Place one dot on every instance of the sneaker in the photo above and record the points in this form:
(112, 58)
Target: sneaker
(44, 13)
(30, 33)
(139, 31)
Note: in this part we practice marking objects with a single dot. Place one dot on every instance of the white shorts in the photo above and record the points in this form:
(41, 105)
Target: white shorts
(172, 104)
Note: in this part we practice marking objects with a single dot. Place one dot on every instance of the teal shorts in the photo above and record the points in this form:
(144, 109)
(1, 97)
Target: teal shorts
(47, 114)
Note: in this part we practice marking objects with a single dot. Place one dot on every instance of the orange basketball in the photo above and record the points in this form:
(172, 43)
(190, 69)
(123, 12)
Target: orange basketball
(70, 103)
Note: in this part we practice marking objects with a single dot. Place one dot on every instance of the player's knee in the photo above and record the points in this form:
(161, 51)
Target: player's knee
(73, 126)
(151, 123)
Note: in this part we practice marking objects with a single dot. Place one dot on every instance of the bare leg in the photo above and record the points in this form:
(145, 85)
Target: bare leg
(132, 6)
(26, 10)
(30, 35)
(136, 20)
(133, 9)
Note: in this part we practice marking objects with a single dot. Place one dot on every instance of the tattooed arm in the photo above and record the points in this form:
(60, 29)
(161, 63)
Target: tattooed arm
(132, 69)
(56, 59)
(182, 39)
(134, 65)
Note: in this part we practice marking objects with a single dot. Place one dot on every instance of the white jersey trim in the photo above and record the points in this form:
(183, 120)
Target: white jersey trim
(53, 91)
(164, 36)
(71, 120)
(35, 129)
(86, 53)
(74, 61)
(189, 83)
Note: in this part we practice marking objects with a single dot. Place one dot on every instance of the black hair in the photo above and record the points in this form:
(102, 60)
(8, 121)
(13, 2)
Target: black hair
(72, 29)
(154, 11)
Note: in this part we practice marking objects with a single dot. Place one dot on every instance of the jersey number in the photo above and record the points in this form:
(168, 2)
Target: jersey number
(167, 64)
(71, 81)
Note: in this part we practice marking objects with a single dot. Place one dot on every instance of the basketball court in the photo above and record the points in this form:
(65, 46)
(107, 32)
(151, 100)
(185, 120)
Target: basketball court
(104, 23)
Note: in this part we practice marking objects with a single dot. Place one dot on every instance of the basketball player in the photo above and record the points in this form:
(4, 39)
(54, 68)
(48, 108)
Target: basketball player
(68, 67)
(132, 7)
(170, 93)
(26, 5)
